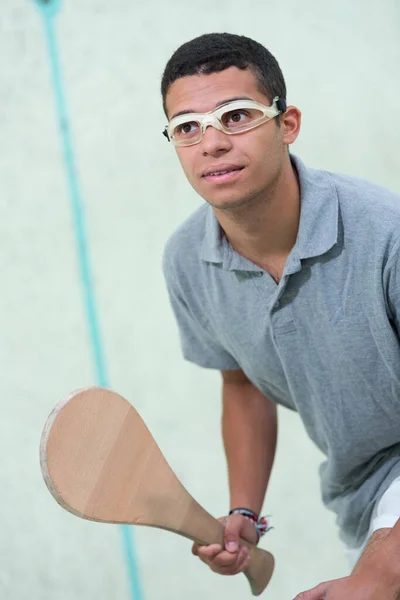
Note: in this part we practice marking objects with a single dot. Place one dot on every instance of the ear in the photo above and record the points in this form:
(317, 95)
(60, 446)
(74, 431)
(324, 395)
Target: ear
(290, 124)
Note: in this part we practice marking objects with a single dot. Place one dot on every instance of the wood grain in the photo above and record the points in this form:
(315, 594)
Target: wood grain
(100, 462)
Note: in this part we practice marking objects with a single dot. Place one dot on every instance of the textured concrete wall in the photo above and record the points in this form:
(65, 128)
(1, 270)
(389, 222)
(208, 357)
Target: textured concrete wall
(341, 61)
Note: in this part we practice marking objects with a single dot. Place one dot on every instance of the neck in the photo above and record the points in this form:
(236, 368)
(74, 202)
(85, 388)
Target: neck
(265, 228)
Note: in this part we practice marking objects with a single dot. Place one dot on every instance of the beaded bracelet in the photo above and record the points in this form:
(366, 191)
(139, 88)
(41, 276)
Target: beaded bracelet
(261, 524)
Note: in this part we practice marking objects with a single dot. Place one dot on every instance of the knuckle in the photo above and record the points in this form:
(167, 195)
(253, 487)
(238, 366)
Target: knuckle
(231, 560)
(238, 569)
(220, 564)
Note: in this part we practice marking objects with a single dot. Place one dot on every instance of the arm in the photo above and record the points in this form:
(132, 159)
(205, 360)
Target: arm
(249, 430)
(376, 575)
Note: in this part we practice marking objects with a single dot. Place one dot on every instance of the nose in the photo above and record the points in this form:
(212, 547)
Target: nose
(215, 141)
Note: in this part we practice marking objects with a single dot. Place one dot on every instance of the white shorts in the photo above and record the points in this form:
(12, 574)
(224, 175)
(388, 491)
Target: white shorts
(385, 514)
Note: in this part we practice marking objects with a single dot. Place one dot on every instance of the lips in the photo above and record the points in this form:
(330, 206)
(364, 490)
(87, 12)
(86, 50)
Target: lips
(221, 169)
(224, 177)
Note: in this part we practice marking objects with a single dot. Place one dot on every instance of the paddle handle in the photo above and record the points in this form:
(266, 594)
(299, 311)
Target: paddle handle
(204, 529)
(260, 570)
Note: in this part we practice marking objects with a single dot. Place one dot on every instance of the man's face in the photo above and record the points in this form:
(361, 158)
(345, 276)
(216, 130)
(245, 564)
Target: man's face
(259, 152)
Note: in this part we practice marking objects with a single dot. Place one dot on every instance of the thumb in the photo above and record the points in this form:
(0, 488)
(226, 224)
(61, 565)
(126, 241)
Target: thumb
(232, 529)
(316, 593)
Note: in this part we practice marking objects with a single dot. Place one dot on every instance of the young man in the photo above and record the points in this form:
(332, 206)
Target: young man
(287, 280)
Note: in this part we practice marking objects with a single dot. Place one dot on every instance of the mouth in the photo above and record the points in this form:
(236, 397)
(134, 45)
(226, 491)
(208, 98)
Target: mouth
(224, 176)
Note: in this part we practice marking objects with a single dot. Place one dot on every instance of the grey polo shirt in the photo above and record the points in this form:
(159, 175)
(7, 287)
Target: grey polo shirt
(323, 342)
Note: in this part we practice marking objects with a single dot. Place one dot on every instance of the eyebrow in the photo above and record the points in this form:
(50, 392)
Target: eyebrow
(190, 110)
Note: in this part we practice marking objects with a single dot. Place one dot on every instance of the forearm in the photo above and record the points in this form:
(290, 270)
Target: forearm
(381, 558)
(372, 554)
(249, 429)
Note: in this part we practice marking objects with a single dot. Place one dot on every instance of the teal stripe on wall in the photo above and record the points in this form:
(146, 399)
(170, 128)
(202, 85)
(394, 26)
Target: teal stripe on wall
(49, 9)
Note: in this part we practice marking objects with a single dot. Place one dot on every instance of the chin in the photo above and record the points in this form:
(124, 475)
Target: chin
(228, 200)
(228, 203)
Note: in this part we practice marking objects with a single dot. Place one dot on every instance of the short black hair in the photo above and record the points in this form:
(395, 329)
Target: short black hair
(215, 52)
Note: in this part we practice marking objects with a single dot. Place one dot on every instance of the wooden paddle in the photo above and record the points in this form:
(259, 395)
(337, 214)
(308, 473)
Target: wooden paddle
(101, 463)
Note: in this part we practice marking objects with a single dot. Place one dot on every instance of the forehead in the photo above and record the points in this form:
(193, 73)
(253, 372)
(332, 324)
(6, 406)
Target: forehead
(201, 93)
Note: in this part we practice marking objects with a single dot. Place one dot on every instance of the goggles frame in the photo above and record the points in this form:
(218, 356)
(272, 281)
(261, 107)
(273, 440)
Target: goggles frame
(213, 118)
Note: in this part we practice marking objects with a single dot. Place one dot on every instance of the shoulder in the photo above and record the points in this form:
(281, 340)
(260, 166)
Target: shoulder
(359, 194)
(368, 210)
(357, 197)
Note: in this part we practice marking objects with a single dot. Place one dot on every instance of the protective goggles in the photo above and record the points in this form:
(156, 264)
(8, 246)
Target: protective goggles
(231, 118)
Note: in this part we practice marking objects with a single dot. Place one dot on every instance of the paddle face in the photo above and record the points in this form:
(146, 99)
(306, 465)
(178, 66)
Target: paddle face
(101, 463)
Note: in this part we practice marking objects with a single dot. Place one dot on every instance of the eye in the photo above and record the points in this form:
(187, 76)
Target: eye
(235, 117)
(186, 129)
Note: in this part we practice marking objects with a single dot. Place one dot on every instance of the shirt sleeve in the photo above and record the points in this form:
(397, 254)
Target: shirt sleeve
(392, 277)
(198, 344)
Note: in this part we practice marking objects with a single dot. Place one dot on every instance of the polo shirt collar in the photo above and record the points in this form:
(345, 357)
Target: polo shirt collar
(318, 227)
(319, 214)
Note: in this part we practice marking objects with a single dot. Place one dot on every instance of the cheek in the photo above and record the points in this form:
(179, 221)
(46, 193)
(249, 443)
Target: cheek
(264, 148)
(253, 146)
(186, 161)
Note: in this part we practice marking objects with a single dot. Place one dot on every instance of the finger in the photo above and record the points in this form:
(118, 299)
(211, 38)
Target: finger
(232, 529)
(242, 561)
(222, 566)
(197, 549)
(228, 559)
(317, 593)
(243, 565)
(207, 553)
(225, 559)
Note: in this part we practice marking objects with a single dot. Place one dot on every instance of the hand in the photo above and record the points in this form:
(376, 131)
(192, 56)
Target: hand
(353, 587)
(320, 591)
(229, 560)
(376, 575)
